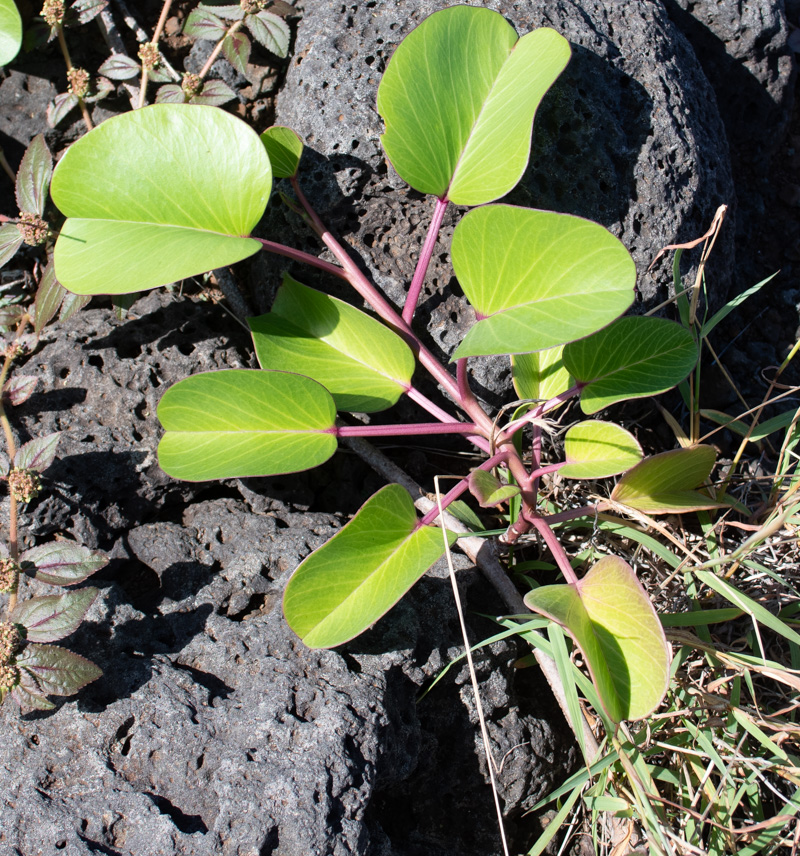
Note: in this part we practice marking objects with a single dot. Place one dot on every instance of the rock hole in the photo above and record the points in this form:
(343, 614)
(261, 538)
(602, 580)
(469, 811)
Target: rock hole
(272, 841)
(186, 348)
(96, 360)
(64, 373)
(123, 735)
(186, 823)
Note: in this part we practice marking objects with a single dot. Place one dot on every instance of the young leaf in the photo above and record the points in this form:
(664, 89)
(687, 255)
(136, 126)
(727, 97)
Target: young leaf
(351, 581)
(57, 671)
(62, 104)
(10, 242)
(33, 176)
(236, 423)
(664, 483)
(37, 454)
(611, 619)
(364, 365)
(488, 490)
(10, 31)
(635, 357)
(284, 148)
(19, 388)
(271, 30)
(214, 94)
(186, 182)
(541, 375)
(62, 563)
(120, 67)
(537, 279)
(236, 49)
(170, 93)
(202, 23)
(458, 100)
(595, 450)
(48, 619)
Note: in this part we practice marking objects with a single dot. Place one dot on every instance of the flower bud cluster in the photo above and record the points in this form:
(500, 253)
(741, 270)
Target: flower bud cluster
(78, 82)
(250, 7)
(23, 485)
(11, 639)
(33, 228)
(53, 12)
(9, 677)
(192, 84)
(149, 55)
(9, 576)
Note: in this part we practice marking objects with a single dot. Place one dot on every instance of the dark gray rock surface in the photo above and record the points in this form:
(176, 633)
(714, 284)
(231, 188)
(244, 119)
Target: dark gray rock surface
(213, 729)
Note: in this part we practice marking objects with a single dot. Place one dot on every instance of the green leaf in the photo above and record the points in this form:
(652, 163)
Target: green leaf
(33, 176)
(613, 622)
(458, 99)
(62, 563)
(271, 30)
(57, 671)
(284, 148)
(595, 450)
(10, 31)
(156, 195)
(634, 357)
(71, 304)
(732, 304)
(664, 483)
(48, 619)
(364, 365)
(762, 429)
(540, 376)
(537, 279)
(351, 581)
(10, 242)
(37, 454)
(239, 422)
(236, 49)
(488, 490)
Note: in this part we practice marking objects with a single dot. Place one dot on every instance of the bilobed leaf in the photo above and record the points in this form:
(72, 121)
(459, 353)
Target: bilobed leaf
(120, 67)
(49, 296)
(236, 49)
(635, 357)
(33, 176)
(595, 450)
(37, 454)
(202, 23)
(19, 388)
(458, 100)
(50, 618)
(364, 365)
(62, 104)
(537, 279)
(271, 30)
(540, 376)
(358, 575)
(610, 617)
(214, 94)
(10, 31)
(284, 148)
(10, 242)
(170, 93)
(57, 670)
(664, 483)
(62, 563)
(489, 490)
(156, 195)
(238, 422)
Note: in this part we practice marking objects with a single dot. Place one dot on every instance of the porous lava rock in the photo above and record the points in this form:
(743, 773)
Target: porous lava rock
(628, 136)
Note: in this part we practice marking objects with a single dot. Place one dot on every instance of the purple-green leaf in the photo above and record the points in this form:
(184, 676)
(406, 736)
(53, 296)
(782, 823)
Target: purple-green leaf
(57, 671)
(19, 389)
(273, 32)
(73, 303)
(170, 93)
(215, 93)
(87, 10)
(204, 24)
(10, 315)
(48, 619)
(120, 67)
(49, 297)
(37, 454)
(230, 13)
(33, 176)
(62, 104)
(236, 49)
(10, 242)
(28, 694)
(62, 563)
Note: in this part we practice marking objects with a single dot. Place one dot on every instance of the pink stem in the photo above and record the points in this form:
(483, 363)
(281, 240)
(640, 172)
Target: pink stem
(300, 256)
(443, 416)
(413, 429)
(424, 260)
(549, 537)
(575, 513)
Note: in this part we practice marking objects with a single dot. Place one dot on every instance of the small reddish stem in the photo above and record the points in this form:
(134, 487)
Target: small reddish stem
(549, 537)
(300, 256)
(424, 260)
(405, 430)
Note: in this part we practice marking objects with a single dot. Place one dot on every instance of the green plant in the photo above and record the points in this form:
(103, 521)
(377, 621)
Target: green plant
(10, 31)
(548, 288)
